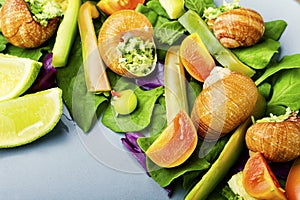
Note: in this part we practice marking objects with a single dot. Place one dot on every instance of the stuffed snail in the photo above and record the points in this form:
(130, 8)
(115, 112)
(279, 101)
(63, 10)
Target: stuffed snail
(19, 27)
(277, 141)
(126, 44)
(240, 27)
(227, 99)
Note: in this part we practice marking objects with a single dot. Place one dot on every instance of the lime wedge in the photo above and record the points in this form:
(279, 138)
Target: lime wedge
(174, 8)
(16, 75)
(27, 118)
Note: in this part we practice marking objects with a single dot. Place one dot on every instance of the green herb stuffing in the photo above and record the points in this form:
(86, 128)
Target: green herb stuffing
(213, 13)
(138, 56)
(44, 10)
(275, 118)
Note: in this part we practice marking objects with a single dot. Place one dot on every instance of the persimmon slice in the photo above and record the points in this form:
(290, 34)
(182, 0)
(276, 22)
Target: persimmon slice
(117, 28)
(196, 58)
(175, 144)
(109, 7)
(259, 181)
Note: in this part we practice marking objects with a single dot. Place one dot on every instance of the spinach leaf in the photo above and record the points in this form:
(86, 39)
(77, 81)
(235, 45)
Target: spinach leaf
(83, 106)
(274, 29)
(265, 90)
(194, 87)
(200, 161)
(169, 32)
(166, 31)
(157, 7)
(34, 54)
(258, 56)
(287, 62)
(286, 91)
(159, 118)
(199, 5)
(148, 12)
(164, 176)
(138, 119)
(3, 42)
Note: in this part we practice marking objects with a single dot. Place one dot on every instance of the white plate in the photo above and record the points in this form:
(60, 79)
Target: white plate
(68, 164)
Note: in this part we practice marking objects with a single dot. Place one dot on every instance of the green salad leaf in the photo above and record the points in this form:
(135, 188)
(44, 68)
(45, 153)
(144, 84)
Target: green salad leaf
(200, 161)
(83, 106)
(258, 56)
(265, 90)
(274, 29)
(169, 32)
(3, 42)
(199, 6)
(34, 54)
(140, 118)
(287, 62)
(157, 7)
(286, 92)
(159, 119)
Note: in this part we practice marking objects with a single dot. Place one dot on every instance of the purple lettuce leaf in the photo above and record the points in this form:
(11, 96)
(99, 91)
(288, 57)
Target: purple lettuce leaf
(281, 170)
(153, 80)
(130, 142)
(47, 76)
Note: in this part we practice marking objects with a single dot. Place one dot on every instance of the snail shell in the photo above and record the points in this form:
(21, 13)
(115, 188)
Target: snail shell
(121, 24)
(19, 27)
(277, 141)
(240, 27)
(223, 104)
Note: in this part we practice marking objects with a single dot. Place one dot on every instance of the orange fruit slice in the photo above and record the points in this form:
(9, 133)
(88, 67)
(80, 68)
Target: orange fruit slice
(109, 7)
(259, 181)
(175, 144)
(196, 58)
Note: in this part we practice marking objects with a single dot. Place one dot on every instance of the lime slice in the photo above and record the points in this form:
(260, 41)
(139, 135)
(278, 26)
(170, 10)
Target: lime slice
(27, 118)
(174, 8)
(16, 75)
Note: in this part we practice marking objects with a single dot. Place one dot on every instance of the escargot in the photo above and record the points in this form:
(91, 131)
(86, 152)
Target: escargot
(19, 27)
(277, 141)
(227, 99)
(240, 27)
(126, 44)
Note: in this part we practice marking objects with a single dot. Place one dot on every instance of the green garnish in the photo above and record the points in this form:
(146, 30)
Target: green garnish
(212, 13)
(138, 56)
(275, 118)
(44, 10)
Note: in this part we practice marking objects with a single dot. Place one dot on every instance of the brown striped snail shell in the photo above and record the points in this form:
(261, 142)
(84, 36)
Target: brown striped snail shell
(226, 100)
(277, 141)
(124, 24)
(240, 27)
(19, 27)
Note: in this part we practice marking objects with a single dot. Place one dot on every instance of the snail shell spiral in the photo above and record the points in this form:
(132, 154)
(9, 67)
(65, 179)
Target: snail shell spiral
(277, 141)
(19, 27)
(223, 104)
(240, 27)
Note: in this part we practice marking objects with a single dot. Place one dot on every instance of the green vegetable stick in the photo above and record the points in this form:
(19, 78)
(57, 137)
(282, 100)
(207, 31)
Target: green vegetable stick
(95, 74)
(222, 165)
(175, 84)
(194, 24)
(66, 33)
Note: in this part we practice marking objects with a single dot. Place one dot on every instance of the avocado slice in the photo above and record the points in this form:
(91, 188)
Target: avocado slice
(66, 33)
